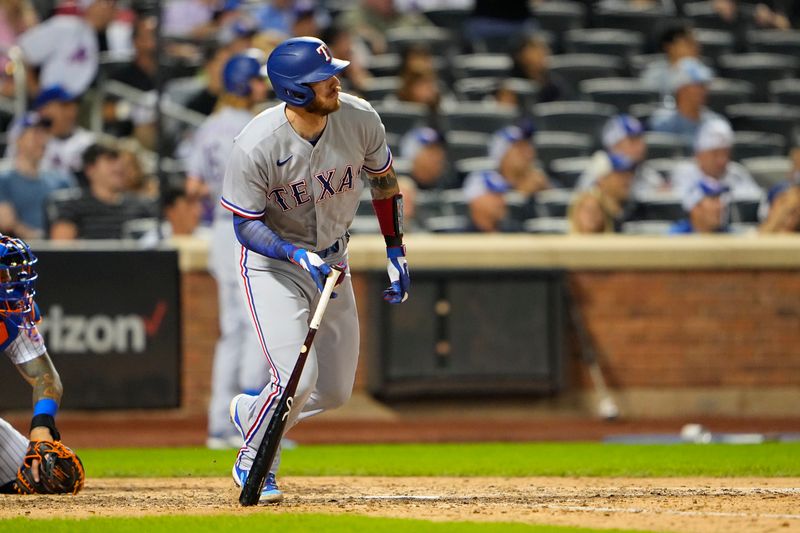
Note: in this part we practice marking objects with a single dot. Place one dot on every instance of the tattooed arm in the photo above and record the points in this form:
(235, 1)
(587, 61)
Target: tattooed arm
(383, 186)
(47, 390)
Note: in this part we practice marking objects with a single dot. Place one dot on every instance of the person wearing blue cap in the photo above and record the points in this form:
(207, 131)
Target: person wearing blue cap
(514, 155)
(704, 204)
(424, 149)
(623, 136)
(783, 204)
(712, 161)
(612, 185)
(24, 190)
(689, 83)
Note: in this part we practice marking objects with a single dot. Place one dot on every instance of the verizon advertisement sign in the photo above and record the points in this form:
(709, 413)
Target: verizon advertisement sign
(111, 324)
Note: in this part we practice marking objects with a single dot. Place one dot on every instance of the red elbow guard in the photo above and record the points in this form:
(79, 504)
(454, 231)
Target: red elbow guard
(390, 217)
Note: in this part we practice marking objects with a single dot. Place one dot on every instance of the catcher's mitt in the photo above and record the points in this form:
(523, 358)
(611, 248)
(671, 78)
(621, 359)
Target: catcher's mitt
(60, 470)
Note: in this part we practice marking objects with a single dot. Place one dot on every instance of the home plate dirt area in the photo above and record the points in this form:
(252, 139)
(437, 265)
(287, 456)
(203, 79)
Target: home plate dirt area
(726, 505)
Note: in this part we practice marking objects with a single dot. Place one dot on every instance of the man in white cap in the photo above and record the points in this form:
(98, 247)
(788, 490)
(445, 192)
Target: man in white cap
(623, 137)
(705, 203)
(515, 157)
(689, 80)
(424, 149)
(712, 161)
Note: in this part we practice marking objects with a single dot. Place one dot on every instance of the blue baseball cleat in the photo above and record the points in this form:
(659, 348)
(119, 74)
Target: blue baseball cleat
(270, 493)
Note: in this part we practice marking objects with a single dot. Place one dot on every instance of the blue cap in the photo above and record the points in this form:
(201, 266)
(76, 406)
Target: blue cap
(416, 139)
(503, 139)
(620, 163)
(620, 127)
(56, 93)
(702, 189)
(689, 71)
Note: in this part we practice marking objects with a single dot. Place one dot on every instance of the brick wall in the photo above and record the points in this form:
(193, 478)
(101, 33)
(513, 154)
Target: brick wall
(653, 329)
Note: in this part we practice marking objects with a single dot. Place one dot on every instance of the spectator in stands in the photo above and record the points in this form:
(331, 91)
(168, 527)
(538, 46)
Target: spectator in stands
(705, 203)
(712, 162)
(24, 190)
(101, 210)
(517, 170)
(587, 214)
(499, 21)
(307, 19)
(689, 82)
(424, 148)
(613, 185)
(65, 48)
(340, 41)
(276, 16)
(783, 216)
(677, 42)
(67, 141)
(198, 19)
(370, 20)
(532, 62)
(763, 14)
(137, 181)
(623, 136)
(421, 87)
(416, 57)
(138, 118)
(794, 172)
(16, 16)
(181, 217)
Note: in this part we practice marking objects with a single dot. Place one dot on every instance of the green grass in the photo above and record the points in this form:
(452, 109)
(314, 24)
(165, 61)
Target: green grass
(509, 460)
(296, 523)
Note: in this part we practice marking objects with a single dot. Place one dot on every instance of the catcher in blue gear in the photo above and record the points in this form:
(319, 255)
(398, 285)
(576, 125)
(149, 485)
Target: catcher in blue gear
(40, 464)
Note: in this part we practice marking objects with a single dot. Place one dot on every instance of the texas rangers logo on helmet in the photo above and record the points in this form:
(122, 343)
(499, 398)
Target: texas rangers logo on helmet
(324, 52)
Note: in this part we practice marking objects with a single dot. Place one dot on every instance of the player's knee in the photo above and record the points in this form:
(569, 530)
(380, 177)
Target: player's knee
(337, 398)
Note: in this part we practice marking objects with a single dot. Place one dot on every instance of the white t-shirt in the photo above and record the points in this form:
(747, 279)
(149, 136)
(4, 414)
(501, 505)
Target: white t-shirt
(65, 48)
(65, 155)
(687, 173)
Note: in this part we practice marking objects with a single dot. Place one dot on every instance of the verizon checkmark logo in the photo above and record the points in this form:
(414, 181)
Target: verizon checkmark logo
(281, 163)
(153, 322)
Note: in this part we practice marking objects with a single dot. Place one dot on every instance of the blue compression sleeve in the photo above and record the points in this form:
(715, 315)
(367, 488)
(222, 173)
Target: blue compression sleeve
(256, 236)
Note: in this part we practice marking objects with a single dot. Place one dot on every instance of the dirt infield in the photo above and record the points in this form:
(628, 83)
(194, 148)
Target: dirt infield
(688, 505)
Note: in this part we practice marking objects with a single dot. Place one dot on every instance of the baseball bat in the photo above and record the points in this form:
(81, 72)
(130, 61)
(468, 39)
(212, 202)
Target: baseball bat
(606, 406)
(251, 490)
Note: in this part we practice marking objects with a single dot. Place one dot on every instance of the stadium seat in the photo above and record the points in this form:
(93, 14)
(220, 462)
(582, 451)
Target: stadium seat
(664, 166)
(613, 42)
(643, 112)
(452, 202)
(553, 203)
(381, 65)
(745, 210)
(774, 42)
(749, 144)
(520, 207)
(466, 144)
(785, 91)
(703, 15)
(759, 69)
(364, 224)
(639, 62)
(452, 19)
(448, 224)
(646, 21)
(664, 145)
(483, 117)
(659, 206)
(379, 88)
(768, 171)
(559, 16)
(769, 118)
(578, 117)
(578, 67)
(619, 92)
(723, 92)
(715, 43)
(400, 117)
(552, 145)
(481, 65)
(477, 89)
(568, 170)
(438, 40)
(466, 166)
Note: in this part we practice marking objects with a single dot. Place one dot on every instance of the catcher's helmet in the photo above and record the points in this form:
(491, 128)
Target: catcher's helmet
(240, 69)
(17, 277)
(295, 63)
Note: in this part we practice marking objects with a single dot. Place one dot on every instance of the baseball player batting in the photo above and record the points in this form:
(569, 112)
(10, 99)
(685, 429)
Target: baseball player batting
(22, 461)
(238, 360)
(293, 185)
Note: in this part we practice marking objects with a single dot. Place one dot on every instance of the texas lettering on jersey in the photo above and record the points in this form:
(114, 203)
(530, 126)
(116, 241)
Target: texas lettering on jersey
(296, 193)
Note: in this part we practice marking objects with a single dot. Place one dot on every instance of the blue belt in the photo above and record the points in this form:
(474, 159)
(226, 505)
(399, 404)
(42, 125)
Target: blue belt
(334, 248)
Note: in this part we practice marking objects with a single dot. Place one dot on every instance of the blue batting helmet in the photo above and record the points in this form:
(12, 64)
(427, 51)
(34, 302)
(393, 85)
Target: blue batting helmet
(240, 69)
(17, 277)
(297, 62)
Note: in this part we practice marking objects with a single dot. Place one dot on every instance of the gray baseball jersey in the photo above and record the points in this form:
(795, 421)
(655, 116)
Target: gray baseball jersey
(12, 452)
(307, 194)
